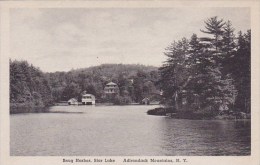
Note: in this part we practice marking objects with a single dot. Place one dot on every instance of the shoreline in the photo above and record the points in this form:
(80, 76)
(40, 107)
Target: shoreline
(197, 115)
(104, 104)
(16, 109)
(159, 111)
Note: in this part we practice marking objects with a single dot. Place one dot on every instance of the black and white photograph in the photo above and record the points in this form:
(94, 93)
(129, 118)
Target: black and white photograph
(150, 82)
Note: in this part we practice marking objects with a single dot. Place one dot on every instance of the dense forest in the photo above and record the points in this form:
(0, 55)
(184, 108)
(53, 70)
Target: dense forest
(31, 87)
(208, 74)
(28, 86)
(134, 81)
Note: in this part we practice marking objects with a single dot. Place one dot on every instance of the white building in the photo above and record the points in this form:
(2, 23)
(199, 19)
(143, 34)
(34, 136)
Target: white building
(88, 99)
(73, 101)
(111, 88)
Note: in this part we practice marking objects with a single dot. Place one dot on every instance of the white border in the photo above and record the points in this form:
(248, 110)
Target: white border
(6, 159)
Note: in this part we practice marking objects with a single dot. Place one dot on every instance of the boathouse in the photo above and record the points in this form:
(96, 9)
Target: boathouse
(88, 99)
(73, 101)
(145, 101)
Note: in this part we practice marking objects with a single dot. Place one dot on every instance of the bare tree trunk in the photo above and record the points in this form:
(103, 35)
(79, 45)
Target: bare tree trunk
(186, 82)
(176, 100)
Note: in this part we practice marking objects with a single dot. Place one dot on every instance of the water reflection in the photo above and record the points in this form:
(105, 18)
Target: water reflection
(197, 137)
(123, 131)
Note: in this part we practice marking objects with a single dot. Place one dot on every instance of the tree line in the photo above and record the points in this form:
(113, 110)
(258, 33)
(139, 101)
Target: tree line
(205, 73)
(31, 87)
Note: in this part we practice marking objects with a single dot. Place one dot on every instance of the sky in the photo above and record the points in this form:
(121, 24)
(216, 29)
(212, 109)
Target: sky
(71, 38)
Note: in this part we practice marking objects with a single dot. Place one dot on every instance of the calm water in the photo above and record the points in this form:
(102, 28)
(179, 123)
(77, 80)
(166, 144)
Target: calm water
(123, 131)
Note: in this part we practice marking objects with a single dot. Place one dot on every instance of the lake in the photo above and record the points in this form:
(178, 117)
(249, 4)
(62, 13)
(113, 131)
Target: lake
(123, 131)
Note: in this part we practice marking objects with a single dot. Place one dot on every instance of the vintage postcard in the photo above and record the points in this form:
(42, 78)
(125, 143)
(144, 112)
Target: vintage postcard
(129, 82)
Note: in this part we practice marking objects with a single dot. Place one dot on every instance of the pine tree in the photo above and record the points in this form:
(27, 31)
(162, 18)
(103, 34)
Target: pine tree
(241, 71)
(214, 27)
(228, 41)
(205, 76)
(174, 73)
(221, 48)
(228, 49)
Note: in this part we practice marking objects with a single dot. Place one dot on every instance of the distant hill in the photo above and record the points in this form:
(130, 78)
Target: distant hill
(131, 79)
(120, 67)
(30, 87)
(110, 71)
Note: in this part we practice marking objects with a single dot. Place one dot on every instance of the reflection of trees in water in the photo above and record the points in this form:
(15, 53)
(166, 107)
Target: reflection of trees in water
(197, 137)
(15, 110)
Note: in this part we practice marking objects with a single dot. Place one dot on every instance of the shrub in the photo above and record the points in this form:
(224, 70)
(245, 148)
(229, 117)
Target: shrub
(160, 111)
